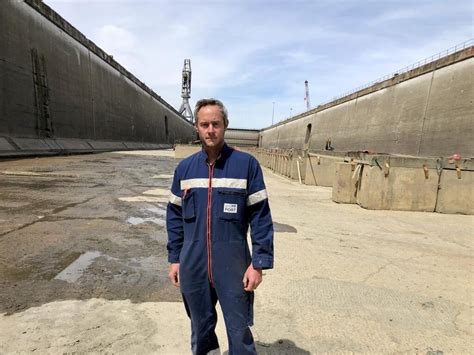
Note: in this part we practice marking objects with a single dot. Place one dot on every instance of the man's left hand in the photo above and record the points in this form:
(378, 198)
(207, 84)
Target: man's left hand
(252, 278)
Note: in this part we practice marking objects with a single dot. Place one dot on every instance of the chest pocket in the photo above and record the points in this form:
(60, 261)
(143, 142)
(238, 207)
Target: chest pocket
(231, 205)
(189, 206)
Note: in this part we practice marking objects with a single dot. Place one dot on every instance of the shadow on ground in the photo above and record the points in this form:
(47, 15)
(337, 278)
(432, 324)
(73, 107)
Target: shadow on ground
(280, 347)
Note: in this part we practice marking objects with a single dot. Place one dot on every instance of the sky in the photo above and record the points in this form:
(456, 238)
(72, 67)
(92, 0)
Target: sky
(255, 55)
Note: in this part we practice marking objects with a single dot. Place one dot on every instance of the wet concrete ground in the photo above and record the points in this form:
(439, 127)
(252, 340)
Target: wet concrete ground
(83, 267)
(79, 227)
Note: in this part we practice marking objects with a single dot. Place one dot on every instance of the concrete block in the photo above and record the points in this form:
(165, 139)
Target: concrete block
(456, 195)
(134, 145)
(31, 144)
(73, 144)
(406, 189)
(5, 145)
(103, 145)
(185, 150)
(321, 169)
(53, 145)
(346, 182)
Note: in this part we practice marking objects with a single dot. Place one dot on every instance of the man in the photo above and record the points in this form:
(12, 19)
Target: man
(215, 195)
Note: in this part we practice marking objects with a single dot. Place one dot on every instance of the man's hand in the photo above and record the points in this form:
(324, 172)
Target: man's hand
(174, 274)
(252, 278)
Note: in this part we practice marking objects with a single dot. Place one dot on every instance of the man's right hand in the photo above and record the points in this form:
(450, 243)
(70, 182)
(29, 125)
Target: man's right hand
(174, 274)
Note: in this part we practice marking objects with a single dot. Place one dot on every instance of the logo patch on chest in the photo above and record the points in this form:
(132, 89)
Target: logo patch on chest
(230, 208)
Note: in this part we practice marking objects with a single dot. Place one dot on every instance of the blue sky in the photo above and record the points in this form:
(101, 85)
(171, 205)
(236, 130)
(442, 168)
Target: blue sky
(253, 53)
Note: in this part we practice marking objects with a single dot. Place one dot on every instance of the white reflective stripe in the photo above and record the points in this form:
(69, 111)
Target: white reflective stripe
(231, 183)
(175, 200)
(257, 197)
(216, 182)
(193, 183)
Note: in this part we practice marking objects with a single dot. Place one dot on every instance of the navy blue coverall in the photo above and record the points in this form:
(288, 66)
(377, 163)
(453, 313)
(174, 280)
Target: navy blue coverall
(208, 216)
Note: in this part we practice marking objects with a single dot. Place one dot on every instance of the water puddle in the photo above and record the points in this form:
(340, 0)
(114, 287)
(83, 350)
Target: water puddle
(161, 212)
(138, 220)
(283, 228)
(77, 268)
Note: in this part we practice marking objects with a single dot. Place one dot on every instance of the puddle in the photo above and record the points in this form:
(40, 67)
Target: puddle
(138, 220)
(157, 211)
(76, 269)
(157, 192)
(144, 199)
(283, 228)
(162, 176)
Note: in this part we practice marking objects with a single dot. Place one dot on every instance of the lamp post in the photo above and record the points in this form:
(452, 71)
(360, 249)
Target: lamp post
(273, 111)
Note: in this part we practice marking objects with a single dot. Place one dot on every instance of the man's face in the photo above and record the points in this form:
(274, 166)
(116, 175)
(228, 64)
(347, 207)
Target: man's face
(210, 126)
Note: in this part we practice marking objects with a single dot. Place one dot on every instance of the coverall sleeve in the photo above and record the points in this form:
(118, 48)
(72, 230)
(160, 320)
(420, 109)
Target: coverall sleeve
(261, 225)
(174, 221)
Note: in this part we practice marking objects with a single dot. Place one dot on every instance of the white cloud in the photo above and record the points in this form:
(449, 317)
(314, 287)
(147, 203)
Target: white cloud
(115, 38)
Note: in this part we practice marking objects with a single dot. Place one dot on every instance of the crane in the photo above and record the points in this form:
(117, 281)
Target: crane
(185, 109)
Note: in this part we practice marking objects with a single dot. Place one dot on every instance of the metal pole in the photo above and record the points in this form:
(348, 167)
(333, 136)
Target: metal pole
(273, 112)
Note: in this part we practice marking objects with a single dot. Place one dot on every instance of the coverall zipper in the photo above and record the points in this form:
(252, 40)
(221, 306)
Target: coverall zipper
(209, 209)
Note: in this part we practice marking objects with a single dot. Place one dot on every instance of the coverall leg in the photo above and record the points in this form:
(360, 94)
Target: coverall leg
(238, 316)
(200, 306)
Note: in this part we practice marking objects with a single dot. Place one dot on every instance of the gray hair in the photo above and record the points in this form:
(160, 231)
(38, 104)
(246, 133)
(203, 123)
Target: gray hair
(211, 102)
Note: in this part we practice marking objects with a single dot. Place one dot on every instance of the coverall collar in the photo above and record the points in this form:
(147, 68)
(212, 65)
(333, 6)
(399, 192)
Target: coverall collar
(225, 152)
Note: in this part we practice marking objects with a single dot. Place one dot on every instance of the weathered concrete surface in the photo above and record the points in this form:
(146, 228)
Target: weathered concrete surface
(242, 137)
(397, 188)
(346, 279)
(321, 169)
(456, 192)
(346, 182)
(55, 83)
(5, 146)
(425, 112)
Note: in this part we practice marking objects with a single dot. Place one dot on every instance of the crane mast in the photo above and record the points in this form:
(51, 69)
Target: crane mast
(185, 109)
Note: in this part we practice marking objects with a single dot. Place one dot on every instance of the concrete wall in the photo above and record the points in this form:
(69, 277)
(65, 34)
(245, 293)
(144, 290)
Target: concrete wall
(381, 182)
(425, 112)
(55, 83)
(321, 169)
(242, 137)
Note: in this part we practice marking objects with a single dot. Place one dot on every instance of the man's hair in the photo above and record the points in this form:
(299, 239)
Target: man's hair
(211, 102)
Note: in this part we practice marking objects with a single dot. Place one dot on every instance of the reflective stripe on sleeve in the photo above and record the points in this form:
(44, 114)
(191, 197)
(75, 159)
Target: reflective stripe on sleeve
(257, 197)
(175, 200)
(216, 182)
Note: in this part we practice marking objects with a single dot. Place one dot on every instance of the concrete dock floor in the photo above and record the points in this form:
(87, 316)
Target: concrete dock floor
(83, 267)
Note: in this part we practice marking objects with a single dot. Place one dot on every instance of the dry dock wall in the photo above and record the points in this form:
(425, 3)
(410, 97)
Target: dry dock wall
(242, 137)
(59, 90)
(381, 182)
(427, 111)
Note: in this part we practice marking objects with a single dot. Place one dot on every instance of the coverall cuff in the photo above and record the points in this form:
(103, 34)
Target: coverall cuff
(262, 263)
(173, 259)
